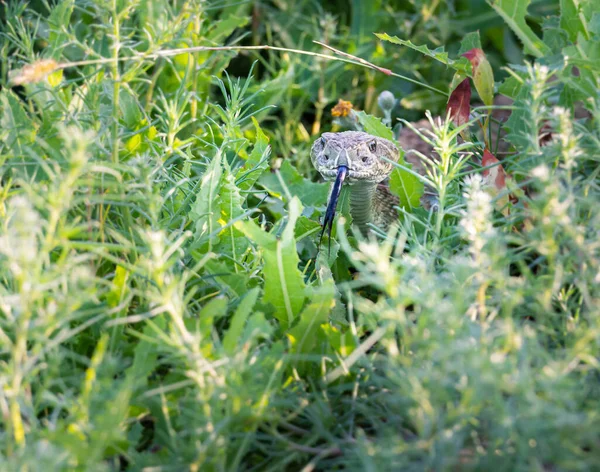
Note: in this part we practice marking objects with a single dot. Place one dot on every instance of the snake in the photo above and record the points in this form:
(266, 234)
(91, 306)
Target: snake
(363, 162)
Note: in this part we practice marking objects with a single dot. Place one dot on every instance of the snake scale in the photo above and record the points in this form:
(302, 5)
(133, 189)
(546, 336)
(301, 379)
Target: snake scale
(363, 162)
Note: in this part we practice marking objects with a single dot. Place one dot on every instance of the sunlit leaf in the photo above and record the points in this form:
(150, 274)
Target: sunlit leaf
(514, 13)
(284, 285)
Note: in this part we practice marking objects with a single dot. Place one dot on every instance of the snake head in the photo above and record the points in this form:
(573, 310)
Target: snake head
(361, 153)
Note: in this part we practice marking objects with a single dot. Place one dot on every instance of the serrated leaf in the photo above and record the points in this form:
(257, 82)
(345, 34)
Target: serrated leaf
(373, 125)
(257, 162)
(572, 20)
(344, 343)
(284, 285)
(225, 26)
(235, 282)
(513, 12)
(439, 54)
(309, 193)
(470, 41)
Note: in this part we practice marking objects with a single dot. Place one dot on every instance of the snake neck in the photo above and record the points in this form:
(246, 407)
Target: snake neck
(362, 204)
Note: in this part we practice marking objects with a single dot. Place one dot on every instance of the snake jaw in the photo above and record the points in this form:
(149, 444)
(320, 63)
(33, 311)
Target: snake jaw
(342, 172)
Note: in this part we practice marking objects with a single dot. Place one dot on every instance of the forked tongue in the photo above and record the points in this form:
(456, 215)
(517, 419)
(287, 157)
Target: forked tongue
(332, 204)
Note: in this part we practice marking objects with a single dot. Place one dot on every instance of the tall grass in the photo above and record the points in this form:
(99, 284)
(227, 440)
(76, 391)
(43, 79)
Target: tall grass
(164, 306)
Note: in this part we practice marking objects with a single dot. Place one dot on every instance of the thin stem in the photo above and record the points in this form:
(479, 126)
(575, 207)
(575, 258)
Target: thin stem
(116, 81)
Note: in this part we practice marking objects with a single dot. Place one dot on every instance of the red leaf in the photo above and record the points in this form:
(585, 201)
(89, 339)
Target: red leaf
(474, 55)
(497, 174)
(459, 103)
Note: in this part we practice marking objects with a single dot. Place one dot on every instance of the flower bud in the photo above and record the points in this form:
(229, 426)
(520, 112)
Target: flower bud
(386, 101)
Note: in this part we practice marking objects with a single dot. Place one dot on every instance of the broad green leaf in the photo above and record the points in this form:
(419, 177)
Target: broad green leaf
(222, 272)
(233, 336)
(406, 186)
(257, 162)
(206, 209)
(470, 41)
(309, 193)
(514, 12)
(572, 19)
(305, 227)
(373, 125)
(439, 54)
(284, 285)
(304, 336)
(225, 26)
(130, 108)
(257, 327)
(343, 343)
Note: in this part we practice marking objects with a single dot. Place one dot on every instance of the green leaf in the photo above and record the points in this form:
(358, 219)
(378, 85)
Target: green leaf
(572, 19)
(130, 108)
(17, 128)
(284, 284)
(514, 12)
(470, 41)
(225, 26)
(257, 327)
(257, 162)
(439, 54)
(229, 280)
(309, 193)
(238, 321)
(206, 208)
(304, 336)
(343, 343)
(407, 187)
(373, 125)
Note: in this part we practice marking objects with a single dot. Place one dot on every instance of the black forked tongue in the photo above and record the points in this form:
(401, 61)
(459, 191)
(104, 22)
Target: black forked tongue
(332, 204)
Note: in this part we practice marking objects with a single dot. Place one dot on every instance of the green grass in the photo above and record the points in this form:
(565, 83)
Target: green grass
(163, 305)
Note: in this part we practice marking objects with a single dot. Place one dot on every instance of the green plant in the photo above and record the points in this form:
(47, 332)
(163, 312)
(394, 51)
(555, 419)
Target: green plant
(162, 300)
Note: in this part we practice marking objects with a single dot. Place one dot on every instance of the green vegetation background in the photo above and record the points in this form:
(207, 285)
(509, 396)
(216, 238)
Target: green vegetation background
(162, 302)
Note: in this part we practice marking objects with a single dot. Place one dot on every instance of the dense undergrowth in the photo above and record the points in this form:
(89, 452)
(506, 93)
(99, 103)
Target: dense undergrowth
(162, 301)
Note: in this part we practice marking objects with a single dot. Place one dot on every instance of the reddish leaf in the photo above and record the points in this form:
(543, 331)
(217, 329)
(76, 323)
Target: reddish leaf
(483, 75)
(459, 103)
(475, 56)
(496, 177)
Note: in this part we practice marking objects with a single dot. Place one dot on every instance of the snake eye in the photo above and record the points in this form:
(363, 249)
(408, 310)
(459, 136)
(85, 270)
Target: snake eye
(373, 146)
(365, 158)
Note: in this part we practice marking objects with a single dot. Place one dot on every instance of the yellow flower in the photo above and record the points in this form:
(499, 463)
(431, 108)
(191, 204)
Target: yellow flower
(342, 108)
